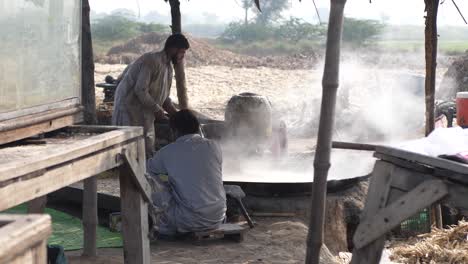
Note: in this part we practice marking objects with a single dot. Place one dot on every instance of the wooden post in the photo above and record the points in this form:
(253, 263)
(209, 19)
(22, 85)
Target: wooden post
(90, 214)
(38, 205)
(88, 97)
(134, 212)
(379, 189)
(431, 60)
(324, 141)
(179, 68)
(90, 217)
(432, 7)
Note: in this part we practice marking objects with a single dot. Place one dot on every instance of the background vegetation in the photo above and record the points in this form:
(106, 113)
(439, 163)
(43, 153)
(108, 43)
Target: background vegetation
(269, 33)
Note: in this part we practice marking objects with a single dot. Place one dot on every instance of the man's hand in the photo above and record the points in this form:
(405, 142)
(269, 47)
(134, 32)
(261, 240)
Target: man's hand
(160, 116)
(169, 107)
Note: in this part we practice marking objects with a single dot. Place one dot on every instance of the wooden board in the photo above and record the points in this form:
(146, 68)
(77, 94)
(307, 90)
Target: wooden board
(426, 160)
(23, 238)
(137, 171)
(90, 216)
(12, 135)
(26, 162)
(379, 189)
(49, 180)
(72, 102)
(385, 219)
(229, 231)
(134, 219)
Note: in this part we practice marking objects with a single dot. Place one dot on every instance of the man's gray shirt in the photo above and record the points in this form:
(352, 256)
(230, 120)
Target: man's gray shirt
(194, 167)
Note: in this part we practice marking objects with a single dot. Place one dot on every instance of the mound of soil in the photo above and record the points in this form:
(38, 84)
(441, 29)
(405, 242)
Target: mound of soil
(202, 53)
(455, 79)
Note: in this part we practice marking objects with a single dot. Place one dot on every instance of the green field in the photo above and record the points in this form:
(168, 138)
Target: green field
(444, 46)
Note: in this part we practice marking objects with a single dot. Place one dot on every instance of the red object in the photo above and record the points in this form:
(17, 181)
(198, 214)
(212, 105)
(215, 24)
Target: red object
(462, 109)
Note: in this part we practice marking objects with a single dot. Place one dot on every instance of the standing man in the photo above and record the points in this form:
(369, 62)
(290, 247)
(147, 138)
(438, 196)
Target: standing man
(193, 198)
(143, 92)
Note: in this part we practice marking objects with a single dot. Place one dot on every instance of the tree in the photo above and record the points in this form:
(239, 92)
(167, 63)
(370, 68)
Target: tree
(247, 4)
(123, 12)
(358, 31)
(271, 11)
(114, 27)
(296, 29)
(237, 31)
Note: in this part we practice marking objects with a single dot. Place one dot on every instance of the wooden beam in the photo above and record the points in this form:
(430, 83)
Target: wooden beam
(88, 99)
(134, 215)
(62, 154)
(179, 68)
(430, 34)
(40, 109)
(21, 233)
(453, 166)
(385, 219)
(407, 179)
(64, 174)
(37, 118)
(88, 94)
(352, 145)
(458, 194)
(38, 205)
(432, 7)
(46, 125)
(379, 190)
(90, 216)
(137, 171)
(324, 141)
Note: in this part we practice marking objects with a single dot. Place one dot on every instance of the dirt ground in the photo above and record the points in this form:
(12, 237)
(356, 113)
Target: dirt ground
(210, 87)
(273, 240)
(278, 240)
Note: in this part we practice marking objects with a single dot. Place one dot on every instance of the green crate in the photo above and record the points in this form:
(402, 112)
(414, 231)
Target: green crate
(420, 223)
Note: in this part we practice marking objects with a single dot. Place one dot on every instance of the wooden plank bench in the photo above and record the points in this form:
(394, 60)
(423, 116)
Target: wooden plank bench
(402, 184)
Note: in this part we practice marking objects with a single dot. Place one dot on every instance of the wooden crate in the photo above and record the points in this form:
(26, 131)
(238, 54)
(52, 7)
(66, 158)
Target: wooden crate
(24, 238)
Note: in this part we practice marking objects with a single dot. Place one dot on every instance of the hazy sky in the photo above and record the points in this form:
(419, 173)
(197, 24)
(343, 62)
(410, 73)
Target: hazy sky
(396, 11)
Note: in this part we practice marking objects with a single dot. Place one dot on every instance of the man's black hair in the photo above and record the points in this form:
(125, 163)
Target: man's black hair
(185, 122)
(178, 41)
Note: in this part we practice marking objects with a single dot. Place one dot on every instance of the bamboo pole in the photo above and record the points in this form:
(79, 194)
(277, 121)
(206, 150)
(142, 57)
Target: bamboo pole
(324, 141)
(181, 84)
(430, 33)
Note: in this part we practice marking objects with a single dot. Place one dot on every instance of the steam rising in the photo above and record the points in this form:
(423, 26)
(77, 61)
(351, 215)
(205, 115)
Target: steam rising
(378, 106)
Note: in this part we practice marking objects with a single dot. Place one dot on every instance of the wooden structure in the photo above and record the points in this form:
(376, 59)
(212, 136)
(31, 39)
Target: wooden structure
(24, 238)
(330, 85)
(75, 153)
(41, 96)
(402, 184)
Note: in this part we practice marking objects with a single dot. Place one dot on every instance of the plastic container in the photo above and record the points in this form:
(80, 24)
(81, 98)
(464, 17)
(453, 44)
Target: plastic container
(462, 109)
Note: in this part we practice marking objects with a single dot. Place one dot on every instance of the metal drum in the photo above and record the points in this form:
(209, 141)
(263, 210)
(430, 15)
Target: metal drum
(248, 121)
